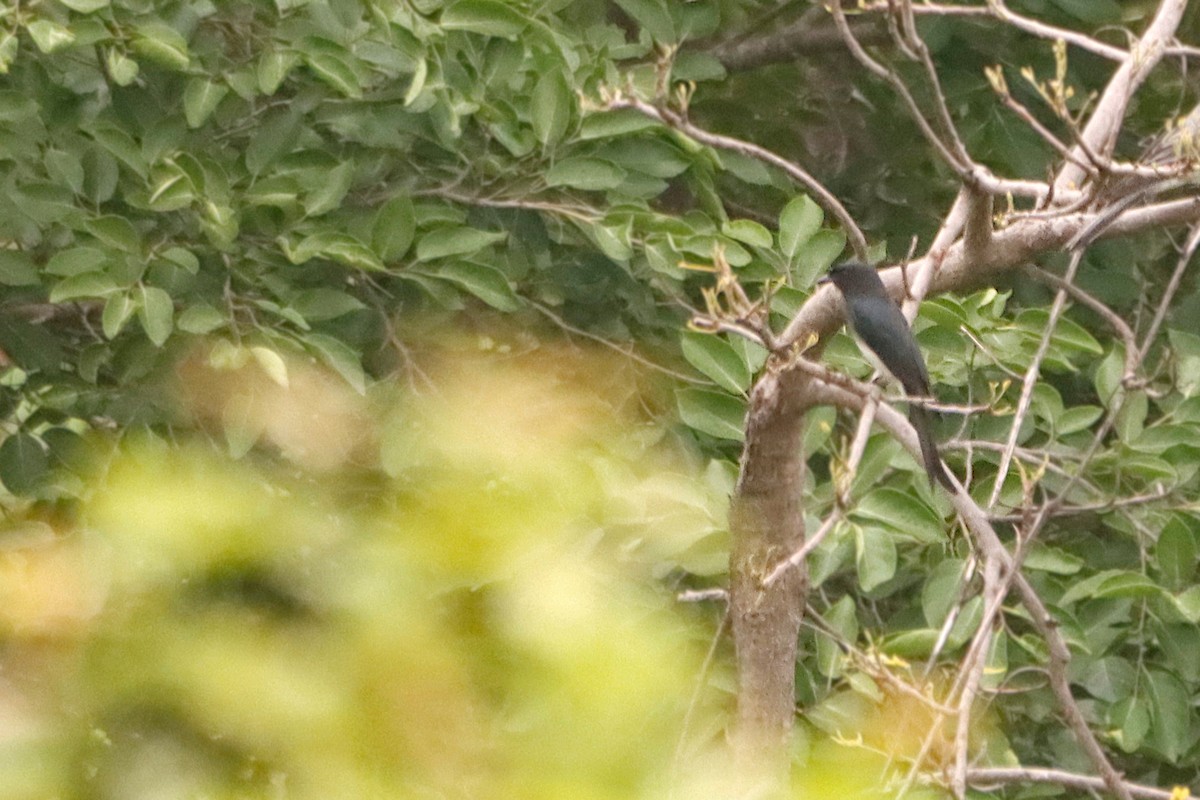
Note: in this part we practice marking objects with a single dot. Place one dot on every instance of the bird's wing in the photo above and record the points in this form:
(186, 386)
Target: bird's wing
(879, 324)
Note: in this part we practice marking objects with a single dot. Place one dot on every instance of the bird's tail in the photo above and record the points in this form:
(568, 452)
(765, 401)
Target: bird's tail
(918, 415)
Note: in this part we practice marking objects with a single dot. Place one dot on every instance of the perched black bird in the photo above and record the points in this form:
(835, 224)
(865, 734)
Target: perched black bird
(882, 331)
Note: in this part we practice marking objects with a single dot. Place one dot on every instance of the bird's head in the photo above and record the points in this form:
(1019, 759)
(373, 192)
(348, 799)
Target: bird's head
(854, 278)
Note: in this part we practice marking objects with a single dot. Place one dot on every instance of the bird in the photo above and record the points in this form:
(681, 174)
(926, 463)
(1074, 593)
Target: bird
(884, 336)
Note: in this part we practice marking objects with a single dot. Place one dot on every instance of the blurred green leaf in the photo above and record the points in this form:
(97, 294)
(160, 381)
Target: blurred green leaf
(800, 219)
(393, 230)
(1130, 716)
(162, 44)
(200, 99)
(1170, 702)
(17, 269)
(717, 359)
(23, 463)
(156, 312)
(489, 17)
(487, 283)
(654, 16)
(456, 241)
(589, 174)
(341, 358)
(552, 105)
(49, 36)
(875, 556)
(714, 413)
(902, 512)
(748, 232)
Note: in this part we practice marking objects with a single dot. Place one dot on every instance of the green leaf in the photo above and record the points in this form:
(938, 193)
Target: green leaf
(903, 512)
(417, 84)
(23, 463)
(912, 644)
(1187, 603)
(1176, 553)
(120, 144)
(799, 220)
(157, 314)
(123, 69)
(1130, 716)
(183, 258)
(613, 240)
(551, 107)
(273, 68)
(336, 246)
(275, 137)
(162, 44)
(456, 241)
(392, 232)
(716, 359)
(49, 36)
(342, 359)
(487, 283)
(85, 6)
(874, 556)
(1170, 714)
(748, 232)
(488, 17)
(200, 319)
(816, 255)
(942, 590)
(320, 304)
(715, 413)
(65, 167)
(1111, 583)
(612, 124)
(1111, 678)
(88, 284)
(1076, 419)
(841, 618)
(589, 174)
(333, 64)
(331, 191)
(115, 232)
(272, 364)
(117, 311)
(200, 98)
(1092, 12)
(9, 47)
(1045, 558)
(654, 16)
(17, 269)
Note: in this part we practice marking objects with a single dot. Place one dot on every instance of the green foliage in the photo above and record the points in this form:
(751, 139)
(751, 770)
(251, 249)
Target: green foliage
(287, 193)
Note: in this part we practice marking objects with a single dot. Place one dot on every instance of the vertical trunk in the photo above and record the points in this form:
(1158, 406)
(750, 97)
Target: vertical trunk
(768, 525)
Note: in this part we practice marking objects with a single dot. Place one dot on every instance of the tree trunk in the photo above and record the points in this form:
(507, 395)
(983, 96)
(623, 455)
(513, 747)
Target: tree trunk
(768, 525)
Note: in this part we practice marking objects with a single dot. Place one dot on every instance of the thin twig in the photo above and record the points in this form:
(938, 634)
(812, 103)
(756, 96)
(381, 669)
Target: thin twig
(1031, 377)
(802, 553)
(628, 353)
(988, 777)
(1111, 317)
(823, 197)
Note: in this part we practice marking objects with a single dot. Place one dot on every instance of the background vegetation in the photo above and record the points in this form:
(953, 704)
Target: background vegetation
(356, 442)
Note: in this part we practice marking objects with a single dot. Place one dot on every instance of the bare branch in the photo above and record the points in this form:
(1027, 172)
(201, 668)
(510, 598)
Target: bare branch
(1100, 133)
(988, 777)
(1032, 373)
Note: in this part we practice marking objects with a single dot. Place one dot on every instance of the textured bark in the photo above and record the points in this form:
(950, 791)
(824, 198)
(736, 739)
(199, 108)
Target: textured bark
(768, 525)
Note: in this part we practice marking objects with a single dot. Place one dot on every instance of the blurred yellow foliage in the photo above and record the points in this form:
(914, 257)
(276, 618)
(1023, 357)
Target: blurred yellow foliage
(403, 594)
(448, 592)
